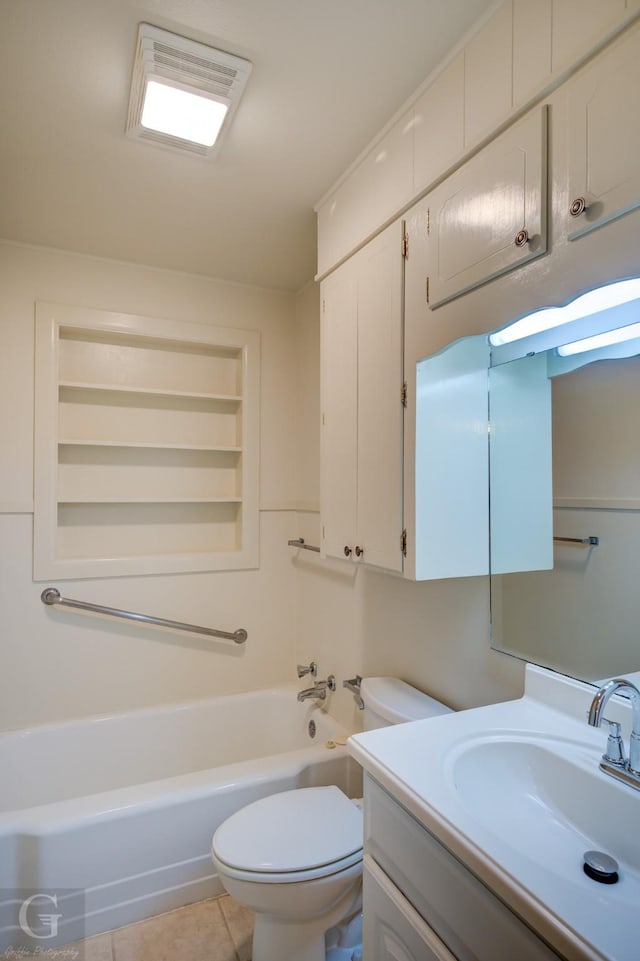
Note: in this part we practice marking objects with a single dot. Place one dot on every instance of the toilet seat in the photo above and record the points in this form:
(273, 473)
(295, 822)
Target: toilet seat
(293, 836)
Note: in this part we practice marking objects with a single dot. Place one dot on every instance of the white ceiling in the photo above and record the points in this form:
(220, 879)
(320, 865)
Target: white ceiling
(327, 75)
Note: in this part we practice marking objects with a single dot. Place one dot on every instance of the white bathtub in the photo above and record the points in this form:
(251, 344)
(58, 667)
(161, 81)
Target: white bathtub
(115, 814)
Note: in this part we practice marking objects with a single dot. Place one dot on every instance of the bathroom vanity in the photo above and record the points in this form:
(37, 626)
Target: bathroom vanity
(475, 829)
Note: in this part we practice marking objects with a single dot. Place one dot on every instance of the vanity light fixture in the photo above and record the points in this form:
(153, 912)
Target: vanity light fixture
(586, 305)
(183, 93)
(617, 336)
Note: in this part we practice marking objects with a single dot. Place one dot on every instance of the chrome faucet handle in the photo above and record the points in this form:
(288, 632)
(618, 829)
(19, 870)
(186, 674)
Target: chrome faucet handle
(614, 752)
(612, 763)
(353, 685)
(304, 669)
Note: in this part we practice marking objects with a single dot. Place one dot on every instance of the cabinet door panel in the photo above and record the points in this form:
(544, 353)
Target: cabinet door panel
(393, 930)
(531, 47)
(379, 400)
(578, 24)
(488, 84)
(477, 213)
(439, 125)
(338, 460)
(604, 138)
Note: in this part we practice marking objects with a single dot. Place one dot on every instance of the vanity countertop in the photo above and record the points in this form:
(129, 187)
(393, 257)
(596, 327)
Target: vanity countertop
(513, 790)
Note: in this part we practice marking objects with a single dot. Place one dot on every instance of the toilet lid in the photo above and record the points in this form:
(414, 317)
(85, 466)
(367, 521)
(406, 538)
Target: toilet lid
(293, 831)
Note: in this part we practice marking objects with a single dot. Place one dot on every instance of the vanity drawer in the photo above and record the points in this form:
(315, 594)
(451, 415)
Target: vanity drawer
(393, 930)
(473, 923)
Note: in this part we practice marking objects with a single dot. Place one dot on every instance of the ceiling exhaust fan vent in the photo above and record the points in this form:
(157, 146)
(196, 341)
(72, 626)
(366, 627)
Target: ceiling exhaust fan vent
(193, 68)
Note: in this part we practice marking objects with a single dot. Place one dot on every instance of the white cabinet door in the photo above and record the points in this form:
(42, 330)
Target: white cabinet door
(579, 24)
(362, 413)
(604, 139)
(380, 411)
(339, 428)
(487, 76)
(452, 462)
(489, 216)
(393, 930)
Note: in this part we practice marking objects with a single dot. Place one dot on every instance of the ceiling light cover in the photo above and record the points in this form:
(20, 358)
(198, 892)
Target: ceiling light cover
(207, 81)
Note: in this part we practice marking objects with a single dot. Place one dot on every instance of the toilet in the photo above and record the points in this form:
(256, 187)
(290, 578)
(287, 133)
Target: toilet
(295, 858)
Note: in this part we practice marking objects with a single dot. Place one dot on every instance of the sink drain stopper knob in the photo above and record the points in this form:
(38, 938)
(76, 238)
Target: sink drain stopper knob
(601, 867)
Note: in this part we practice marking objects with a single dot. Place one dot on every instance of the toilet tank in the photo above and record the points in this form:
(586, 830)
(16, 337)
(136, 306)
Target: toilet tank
(388, 700)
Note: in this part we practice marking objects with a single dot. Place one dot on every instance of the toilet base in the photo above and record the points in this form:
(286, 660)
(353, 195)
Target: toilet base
(276, 939)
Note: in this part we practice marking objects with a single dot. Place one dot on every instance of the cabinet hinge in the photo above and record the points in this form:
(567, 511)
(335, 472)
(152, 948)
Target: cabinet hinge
(403, 394)
(426, 290)
(405, 244)
(323, 306)
(403, 542)
(428, 221)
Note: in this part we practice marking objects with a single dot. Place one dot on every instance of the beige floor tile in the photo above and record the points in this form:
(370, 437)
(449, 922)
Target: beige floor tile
(195, 933)
(98, 948)
(240, 922)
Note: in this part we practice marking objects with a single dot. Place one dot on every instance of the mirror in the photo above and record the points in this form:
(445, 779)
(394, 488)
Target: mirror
(565, 509)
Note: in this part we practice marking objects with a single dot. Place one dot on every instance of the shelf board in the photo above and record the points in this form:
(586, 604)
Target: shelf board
(153, 391)
(149, 500)
(66, 442)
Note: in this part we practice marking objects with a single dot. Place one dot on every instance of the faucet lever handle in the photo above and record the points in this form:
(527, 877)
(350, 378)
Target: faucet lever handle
(304, 669)
(614, 752)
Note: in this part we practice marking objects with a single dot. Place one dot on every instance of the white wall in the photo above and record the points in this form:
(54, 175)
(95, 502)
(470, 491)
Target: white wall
(56, 664)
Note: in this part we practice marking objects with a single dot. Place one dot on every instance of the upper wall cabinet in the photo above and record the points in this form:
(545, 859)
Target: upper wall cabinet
(371, 195)
(362, 412)
(490, 215)
(604, 138)
(438, 123)
(146, 445)
(579, 24)
(488, 92)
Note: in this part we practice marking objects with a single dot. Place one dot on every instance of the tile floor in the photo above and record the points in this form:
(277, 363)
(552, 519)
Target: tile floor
(216, 930)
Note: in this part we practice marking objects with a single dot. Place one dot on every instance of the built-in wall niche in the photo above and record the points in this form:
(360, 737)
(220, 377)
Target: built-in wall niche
(146, 445)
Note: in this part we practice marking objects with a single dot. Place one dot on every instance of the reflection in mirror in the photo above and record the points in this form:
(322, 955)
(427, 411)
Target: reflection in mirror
(565, 510)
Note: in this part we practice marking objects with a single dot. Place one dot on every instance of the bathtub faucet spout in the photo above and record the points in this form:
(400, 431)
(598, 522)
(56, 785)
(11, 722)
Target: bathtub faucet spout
(319, 689)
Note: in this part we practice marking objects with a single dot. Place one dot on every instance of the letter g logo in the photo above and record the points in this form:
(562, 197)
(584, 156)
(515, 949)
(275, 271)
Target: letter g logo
(49, 920)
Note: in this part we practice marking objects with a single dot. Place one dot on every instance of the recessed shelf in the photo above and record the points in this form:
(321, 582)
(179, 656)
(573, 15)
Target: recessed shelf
(149, 500)
(149, 445)
(152, 391)
(146, 445)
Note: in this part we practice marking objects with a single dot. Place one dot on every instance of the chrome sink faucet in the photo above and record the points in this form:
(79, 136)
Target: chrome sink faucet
(319, 689)
(613, 761)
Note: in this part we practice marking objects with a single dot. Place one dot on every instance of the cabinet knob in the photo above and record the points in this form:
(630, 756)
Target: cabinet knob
(578, 207)
(521, 238)
(347, 550)
(359, 551)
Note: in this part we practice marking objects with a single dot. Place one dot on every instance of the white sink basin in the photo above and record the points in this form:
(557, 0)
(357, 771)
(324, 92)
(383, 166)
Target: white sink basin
(515, 792)
(547, 798)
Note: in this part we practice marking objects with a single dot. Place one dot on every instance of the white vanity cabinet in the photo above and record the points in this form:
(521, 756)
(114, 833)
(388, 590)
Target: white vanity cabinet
(393, 929)
(604, 138)
(489, 216)
(362, 411)
(420, 902)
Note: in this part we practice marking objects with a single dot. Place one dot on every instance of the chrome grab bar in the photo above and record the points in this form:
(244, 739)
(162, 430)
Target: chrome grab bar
(51, 597)
(301, 543)
(586, 541)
